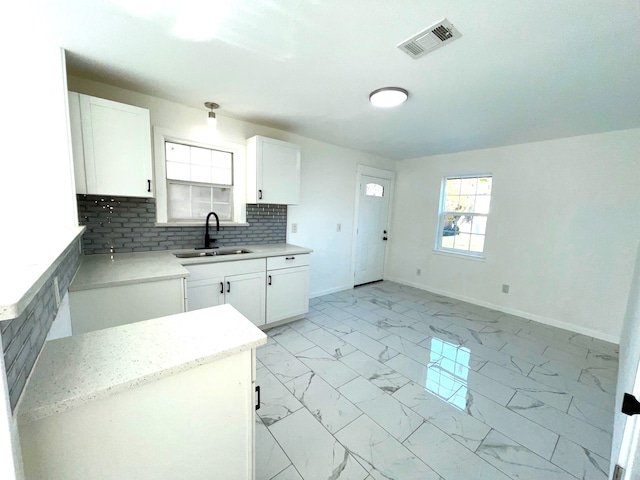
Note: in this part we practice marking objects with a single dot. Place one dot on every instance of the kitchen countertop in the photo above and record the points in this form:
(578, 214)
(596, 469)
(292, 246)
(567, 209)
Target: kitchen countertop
(27, 263)
(98, 271)
(106, 270)
(75, 370)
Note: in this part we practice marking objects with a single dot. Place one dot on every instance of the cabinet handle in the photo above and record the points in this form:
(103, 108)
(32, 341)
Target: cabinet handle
(259, 194)
(258, 392)
(290, 258)
(221, 287)
(228, 287)
(148, 185)
(269, 280)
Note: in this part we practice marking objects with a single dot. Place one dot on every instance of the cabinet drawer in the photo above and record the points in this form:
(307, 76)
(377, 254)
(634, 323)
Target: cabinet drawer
(286, 261)
(203, 271)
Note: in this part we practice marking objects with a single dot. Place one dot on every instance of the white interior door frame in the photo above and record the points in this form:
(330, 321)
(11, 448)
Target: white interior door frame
(373, 172)
(625, 449)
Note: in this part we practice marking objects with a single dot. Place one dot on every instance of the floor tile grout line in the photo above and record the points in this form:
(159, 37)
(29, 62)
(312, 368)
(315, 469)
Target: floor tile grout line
(281, 447)
(328, 431)
(516, 390)
(530, 451)
(350, 316)
(364, 413)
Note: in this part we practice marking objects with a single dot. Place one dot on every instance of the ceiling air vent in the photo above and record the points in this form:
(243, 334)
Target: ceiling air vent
(429, 39)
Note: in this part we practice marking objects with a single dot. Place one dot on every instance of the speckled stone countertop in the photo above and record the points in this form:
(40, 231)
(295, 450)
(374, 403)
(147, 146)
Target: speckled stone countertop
(75, 370)
(98, 271)
(27, 263)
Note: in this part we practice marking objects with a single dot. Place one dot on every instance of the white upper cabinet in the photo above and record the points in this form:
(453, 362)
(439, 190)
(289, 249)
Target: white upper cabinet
(111, 147)
(273, 171)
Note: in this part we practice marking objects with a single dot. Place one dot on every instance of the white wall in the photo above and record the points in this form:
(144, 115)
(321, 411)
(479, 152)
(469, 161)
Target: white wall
(36, 177)
(37, 196)
(327, 187)
(563, 230)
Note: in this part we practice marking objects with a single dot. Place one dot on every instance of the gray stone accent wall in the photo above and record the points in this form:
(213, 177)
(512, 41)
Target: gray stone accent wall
(127, 224)
(23, 337)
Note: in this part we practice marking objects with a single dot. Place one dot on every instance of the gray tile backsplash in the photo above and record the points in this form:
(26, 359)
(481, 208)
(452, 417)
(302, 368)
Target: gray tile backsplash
(24, 336)
(127, 224)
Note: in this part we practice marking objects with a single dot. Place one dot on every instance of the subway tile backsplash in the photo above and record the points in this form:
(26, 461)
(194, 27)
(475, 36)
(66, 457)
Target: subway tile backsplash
(24, 336)
(124, 224)
(127, 224)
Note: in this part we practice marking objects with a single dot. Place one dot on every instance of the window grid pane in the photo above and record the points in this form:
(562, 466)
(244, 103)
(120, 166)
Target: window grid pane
(199, 180)
(463, 216)
(198, 164)
(194, 202)
(374, 190)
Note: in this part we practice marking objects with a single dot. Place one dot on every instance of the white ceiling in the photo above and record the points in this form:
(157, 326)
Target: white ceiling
(523, 70)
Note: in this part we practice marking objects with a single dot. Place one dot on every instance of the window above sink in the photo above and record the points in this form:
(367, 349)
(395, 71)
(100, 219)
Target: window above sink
(194, 174)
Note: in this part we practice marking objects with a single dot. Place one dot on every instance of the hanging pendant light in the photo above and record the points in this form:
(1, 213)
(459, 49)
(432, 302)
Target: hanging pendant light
(212, 115)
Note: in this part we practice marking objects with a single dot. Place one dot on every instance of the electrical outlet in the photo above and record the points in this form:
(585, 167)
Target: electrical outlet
(56, 291)
(505, 288)
(419, 272)
(339, 228)
(294, 228)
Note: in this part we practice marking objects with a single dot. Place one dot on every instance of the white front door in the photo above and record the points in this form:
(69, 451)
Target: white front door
(372, 229)
(626, 432)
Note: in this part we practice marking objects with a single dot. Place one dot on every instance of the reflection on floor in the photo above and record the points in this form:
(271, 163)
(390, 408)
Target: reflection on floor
(391, 382)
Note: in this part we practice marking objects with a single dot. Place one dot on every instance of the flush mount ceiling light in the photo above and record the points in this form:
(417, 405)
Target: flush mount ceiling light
(212, 115)
(388, 97)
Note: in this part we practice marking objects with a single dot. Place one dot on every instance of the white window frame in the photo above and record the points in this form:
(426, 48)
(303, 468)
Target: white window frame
(160, 136)
(440, 226)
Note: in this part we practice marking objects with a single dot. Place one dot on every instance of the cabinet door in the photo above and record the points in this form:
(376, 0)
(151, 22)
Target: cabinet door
(279, 172)
(205, 293)
(287, 293)
(75, 124)
(246, 293)
(117, 148)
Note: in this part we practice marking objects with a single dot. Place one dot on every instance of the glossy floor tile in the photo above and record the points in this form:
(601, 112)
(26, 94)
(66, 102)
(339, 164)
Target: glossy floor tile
(390, 382)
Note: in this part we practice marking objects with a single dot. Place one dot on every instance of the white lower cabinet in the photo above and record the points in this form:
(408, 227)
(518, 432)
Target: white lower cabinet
(195, 424)
(287, 287)
(263, 291)
(240, 284)
(98, 308)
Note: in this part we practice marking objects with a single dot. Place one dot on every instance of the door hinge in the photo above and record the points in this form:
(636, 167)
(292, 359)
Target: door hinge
(630, 406)
(618, 473)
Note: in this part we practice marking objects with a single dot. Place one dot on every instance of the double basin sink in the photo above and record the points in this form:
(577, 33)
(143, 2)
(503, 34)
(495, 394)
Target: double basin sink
(213, 253)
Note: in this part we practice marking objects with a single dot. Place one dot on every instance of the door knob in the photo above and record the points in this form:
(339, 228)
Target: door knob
(630, 405)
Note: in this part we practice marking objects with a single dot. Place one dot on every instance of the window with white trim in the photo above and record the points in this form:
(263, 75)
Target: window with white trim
(199, 180)
(464, 210)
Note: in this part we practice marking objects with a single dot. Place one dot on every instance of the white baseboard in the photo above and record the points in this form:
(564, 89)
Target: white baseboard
(512, 311)
(331, 290)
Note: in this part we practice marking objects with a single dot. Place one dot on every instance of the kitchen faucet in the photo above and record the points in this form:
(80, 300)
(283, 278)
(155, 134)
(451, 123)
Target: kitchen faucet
(207, 239)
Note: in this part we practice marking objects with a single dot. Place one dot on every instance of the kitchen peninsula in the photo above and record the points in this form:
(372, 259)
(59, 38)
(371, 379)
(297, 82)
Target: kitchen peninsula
(167, 398)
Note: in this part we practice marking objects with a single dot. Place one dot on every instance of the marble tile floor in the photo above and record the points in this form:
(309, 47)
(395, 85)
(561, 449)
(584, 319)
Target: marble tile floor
(387, 382)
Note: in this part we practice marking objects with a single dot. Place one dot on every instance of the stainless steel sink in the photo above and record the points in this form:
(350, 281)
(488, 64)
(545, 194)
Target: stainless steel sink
(214, 253)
